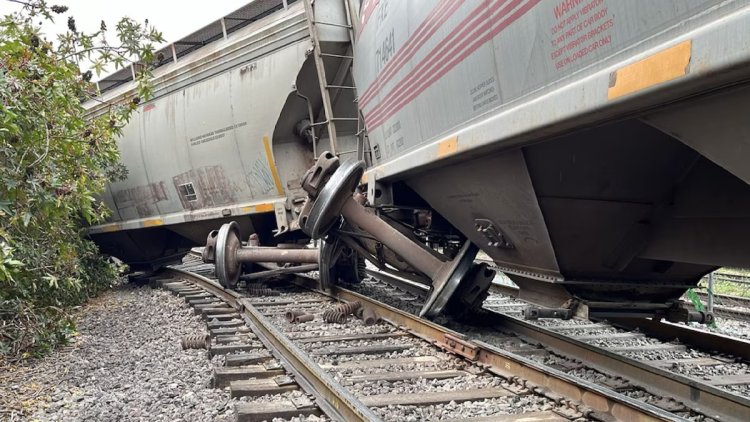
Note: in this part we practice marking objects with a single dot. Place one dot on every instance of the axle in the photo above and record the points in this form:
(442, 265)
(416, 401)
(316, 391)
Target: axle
(330, 186)
(225, 249)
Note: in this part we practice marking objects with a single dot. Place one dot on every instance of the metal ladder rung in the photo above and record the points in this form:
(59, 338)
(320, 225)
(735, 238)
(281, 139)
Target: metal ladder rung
(341, 56)
(332, 24)
(335, 119)
(340, 87)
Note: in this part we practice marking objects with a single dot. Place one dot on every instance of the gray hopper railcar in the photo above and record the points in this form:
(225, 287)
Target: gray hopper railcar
(595, 150)
(226, 137)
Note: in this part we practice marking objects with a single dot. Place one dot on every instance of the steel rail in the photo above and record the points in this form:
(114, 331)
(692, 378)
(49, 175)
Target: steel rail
(412, 287)
(705, 340)
(606, 404)
(333, 399)
(732, 278)
(705, 398)
(728, 300)
(732, 307)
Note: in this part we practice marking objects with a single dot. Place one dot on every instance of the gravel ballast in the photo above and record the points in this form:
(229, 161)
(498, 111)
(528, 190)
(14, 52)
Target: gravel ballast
(127, 364)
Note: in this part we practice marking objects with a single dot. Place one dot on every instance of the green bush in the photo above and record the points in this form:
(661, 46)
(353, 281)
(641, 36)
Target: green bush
(54, 161)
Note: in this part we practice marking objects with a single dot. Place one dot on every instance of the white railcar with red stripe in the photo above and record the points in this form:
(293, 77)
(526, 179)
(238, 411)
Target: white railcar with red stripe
(604, 143)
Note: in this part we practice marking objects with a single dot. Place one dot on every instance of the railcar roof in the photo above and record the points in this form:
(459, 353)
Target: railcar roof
(215, 31)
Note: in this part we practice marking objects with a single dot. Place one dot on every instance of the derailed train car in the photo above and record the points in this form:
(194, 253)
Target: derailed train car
(226, 136)
(594, 150)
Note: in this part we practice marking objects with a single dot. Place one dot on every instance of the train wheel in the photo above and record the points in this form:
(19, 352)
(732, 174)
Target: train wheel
(326, 209)
(471, 292)
(227, 242)
(351, 266)
(339, 263)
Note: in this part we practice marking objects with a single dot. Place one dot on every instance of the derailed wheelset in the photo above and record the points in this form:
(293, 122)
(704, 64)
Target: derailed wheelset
(455, 282)
(335, 260)
(350, 232)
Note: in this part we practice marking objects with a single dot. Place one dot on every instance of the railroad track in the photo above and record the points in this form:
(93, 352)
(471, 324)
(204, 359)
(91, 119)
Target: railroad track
(733, 278)
(403, 368)
(734, 307)
(707, 373)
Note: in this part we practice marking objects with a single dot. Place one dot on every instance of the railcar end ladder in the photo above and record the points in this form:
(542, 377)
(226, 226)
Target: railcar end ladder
(331, 90)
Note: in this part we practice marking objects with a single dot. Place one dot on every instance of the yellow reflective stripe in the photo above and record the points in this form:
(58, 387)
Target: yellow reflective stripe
(447, 146)
(153, 222)
(264, 207)
(272, 166)
(661, 67)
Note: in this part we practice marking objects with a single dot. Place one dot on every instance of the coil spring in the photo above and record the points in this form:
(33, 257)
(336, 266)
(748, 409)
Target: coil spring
(348, 308)
(262, 291)
(196, 341)
(334, 316)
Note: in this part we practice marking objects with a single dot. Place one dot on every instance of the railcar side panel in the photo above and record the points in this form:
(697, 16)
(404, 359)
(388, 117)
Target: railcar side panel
(424, 68)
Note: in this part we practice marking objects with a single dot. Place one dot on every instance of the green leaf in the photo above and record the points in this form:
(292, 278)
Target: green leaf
(4, 207)
(47, 266)
(51, 280)
(26, 219)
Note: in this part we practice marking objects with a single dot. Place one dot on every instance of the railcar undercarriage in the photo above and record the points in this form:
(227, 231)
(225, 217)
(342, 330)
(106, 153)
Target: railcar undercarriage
(411, 239)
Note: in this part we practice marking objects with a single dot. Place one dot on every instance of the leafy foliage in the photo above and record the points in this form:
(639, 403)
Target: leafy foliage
(54, 161)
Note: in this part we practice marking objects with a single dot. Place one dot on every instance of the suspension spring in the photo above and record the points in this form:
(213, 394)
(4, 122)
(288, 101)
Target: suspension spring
(196, 341)
(334, 316)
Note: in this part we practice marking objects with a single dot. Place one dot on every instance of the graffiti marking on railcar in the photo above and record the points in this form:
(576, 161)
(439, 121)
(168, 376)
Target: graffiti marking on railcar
(580, 28)
(382, 12)
(211, 185)
(214, 134)
(142, 198)
(272, 165)
(260, 180)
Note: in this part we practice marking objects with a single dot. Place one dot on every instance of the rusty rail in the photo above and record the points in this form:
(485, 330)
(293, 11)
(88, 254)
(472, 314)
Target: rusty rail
(603, 401)
(333, 399)
(710, 400)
